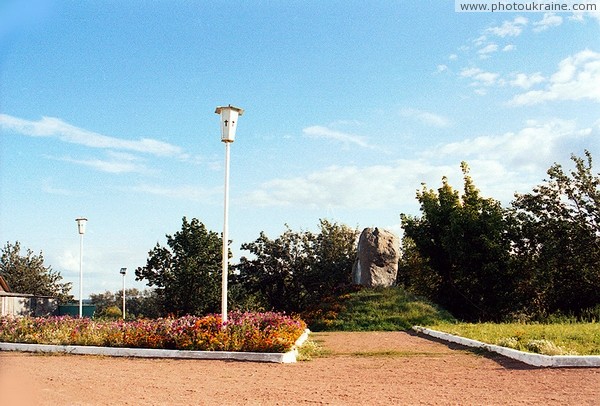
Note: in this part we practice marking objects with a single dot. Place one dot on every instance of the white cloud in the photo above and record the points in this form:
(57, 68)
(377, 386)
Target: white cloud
(577, 78)
(68, 262)
(369, 187)
(580, 15)
(109, 166)
(480, 77)
(425, 117)
(548, 21)
(116, 162)
(453, 57)
(487, 50)
(318, 131)
(509, 48)
(531, 148)
(500, 166)
(386, 186)
(479, 41)
(512, 28)
(48, 187)
(56, 128)
(442, 68)
(525, 81)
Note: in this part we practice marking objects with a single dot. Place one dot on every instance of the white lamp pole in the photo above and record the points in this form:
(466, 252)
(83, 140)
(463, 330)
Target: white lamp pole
(229, 118)
(81, 221)
(123, 271)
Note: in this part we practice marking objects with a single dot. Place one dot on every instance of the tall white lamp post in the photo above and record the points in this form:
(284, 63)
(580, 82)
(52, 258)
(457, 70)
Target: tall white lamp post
(123, 272)
(81, 221)
(229, 117)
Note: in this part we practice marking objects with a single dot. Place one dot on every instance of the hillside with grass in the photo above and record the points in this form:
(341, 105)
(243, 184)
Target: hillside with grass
(377, 309)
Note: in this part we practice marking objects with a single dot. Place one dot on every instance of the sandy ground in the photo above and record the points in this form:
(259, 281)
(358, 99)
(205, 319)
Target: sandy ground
(361, 368)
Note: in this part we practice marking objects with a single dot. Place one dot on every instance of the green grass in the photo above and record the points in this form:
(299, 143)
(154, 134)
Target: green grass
(311, 349)
(380, 309)
(549, 339)
(394, 309)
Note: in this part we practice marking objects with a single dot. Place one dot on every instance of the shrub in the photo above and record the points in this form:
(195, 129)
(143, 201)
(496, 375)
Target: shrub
(111, 312)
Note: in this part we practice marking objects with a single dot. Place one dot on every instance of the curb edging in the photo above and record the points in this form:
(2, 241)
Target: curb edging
(538, 360)
(282, 358)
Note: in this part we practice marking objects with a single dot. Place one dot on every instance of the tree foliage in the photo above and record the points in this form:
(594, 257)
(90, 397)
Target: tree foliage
(297, 269)
(539, 257)
(28, 274)
(457, 252)
(186, 275)
(138, 303)
(557, 241)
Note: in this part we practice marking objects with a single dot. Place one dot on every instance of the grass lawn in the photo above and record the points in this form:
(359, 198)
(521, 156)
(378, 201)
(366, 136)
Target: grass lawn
(549, 339)
(394, 309)
(378, 309)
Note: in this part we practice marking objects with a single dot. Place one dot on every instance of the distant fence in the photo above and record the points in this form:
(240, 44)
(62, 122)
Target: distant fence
(72, 309)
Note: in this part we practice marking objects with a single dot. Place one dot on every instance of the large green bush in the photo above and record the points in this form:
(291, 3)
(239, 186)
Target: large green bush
(297, 269)
(457, 253)
(481, 261)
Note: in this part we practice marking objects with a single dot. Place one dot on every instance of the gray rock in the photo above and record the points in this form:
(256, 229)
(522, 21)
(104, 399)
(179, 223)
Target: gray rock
(377, 258)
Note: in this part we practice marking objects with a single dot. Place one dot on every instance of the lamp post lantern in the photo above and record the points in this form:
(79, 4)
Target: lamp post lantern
(123, 272)
(229, 117)
(81, 222)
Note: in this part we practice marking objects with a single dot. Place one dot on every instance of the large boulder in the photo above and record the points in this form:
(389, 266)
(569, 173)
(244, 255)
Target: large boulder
(376, 263)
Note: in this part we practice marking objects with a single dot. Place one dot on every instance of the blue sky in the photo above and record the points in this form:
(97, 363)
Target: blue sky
(107, 111)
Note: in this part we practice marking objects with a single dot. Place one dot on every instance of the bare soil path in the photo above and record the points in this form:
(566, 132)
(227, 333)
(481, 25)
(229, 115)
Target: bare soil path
(375, 368)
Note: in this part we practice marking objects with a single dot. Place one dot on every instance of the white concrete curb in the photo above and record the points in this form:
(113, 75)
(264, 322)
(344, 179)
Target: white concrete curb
(286, 357)
(538, 360)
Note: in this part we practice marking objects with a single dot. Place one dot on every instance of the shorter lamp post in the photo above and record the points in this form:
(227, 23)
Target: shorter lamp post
(229, 117)
(81, 222)
(123, 272)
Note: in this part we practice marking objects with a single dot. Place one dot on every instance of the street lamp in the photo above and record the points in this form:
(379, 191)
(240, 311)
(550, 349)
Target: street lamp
(81, 221)
(123, 271)
(229, 117)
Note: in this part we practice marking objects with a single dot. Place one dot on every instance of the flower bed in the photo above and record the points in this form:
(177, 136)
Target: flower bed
(244, 332)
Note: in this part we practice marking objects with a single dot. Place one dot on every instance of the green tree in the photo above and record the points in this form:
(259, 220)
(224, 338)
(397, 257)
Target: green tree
(557, 241)
(28, 274)
(414, 271)
(272, 276)
(186, 275)
(334, 253)
(457, 253)
(137, 303)
(297, 269)
(103, 300)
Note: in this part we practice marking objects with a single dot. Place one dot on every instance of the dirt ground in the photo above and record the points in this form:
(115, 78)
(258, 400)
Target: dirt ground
(373, 368)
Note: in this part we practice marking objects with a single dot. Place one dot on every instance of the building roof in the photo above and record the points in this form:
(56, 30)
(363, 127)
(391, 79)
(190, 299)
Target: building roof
(3, 285)
(10, 294)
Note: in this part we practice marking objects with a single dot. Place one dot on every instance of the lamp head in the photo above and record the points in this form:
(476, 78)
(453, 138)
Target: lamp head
(81, 221)
(229, 117)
